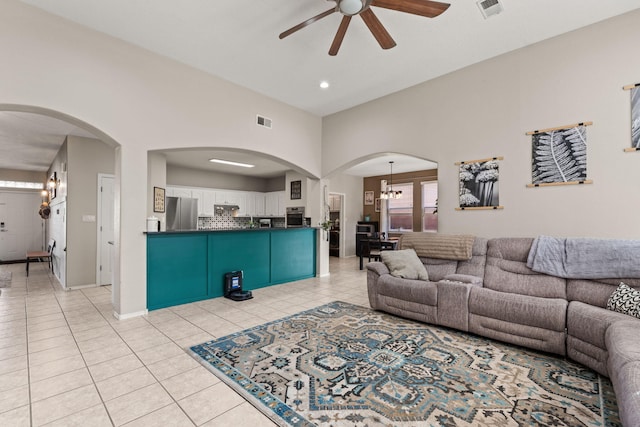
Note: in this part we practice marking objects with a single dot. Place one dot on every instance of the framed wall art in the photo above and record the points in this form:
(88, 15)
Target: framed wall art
(158, 199)
(559, 155)
(368, 197)
(296, 190)
(478, 184)
(377, 205)
(635, 116)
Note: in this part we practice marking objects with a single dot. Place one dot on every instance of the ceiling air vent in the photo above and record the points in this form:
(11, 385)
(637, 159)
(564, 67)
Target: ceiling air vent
(264, 122)
(489, 8)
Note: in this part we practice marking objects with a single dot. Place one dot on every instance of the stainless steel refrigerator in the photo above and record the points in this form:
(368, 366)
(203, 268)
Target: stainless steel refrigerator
(182, 213)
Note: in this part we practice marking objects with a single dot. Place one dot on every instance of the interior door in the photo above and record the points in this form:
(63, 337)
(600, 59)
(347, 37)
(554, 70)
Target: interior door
(21, 228)
(106, 236)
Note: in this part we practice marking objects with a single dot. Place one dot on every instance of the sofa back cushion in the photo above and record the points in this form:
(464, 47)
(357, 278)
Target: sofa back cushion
(475, 265)
(439, 268)
(506, 270)
(596, 292)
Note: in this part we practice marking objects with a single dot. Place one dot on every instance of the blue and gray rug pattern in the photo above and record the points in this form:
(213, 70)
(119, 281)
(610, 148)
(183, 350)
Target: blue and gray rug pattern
(345, 365)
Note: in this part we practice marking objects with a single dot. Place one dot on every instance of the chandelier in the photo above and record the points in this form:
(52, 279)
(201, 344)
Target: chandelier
(389, 193)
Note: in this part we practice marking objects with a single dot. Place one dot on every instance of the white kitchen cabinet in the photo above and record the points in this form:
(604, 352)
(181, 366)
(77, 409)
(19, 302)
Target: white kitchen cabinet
(232, 197)
(205, 206)
(241, 201)
(250, 203)
(182, 192)
(334, 203)
(259, 200)
(281, 205)
(274, 203)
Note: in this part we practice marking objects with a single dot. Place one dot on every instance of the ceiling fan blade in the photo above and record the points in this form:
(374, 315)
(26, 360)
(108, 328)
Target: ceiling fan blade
(427, 8)
(307, 22)
(337, 40)
(377, 29)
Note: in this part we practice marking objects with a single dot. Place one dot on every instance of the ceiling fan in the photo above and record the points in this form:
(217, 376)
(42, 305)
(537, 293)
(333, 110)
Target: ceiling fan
(349, 8)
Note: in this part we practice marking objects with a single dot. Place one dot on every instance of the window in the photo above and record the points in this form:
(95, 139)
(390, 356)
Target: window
(429, 206)
(401, 210)
(21, 184)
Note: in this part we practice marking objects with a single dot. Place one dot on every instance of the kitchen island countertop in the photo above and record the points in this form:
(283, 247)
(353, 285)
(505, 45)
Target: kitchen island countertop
(229, 229)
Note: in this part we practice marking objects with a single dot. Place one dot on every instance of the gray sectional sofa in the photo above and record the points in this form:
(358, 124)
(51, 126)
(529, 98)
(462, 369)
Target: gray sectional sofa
(494, 294)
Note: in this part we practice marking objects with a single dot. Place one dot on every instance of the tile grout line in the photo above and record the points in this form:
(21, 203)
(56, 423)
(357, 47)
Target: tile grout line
(83, 359)
(143, 364)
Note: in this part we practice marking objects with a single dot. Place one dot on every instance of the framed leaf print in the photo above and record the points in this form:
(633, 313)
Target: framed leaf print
(559, 155)
(635, 116)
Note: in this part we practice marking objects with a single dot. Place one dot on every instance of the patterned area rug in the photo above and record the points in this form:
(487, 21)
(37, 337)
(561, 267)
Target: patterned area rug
(345, 365)
(5, 279)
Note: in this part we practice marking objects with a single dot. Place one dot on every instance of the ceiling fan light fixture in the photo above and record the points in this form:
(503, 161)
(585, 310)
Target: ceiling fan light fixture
(351, 7)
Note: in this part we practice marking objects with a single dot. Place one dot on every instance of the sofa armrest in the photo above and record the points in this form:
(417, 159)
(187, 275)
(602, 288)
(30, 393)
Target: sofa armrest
(378, 267)
(374, 271)
(464, 278)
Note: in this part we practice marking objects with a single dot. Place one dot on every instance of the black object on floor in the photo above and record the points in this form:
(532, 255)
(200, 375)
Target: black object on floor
(233, 287)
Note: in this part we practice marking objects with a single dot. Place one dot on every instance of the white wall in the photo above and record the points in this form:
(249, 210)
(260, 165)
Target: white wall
(142, 102)
(188, 177)
(86, 158)
(486, 109)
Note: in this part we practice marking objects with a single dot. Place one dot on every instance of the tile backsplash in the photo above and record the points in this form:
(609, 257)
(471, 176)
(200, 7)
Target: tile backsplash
(226, 220)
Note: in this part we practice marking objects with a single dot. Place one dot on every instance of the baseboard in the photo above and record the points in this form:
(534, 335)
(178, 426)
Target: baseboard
(75, 288)
(130, 315)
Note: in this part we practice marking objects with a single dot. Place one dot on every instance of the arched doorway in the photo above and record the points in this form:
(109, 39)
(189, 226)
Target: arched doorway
(58, 143)
(361, 200)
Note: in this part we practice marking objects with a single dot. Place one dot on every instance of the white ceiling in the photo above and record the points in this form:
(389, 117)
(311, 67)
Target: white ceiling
(238, 41)
(31, 141)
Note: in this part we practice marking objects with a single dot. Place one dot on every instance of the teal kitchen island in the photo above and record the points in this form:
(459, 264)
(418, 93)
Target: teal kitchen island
(188, 266)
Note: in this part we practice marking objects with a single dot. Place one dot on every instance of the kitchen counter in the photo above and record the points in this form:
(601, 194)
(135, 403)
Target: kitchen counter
(187, 266)
(228, 229)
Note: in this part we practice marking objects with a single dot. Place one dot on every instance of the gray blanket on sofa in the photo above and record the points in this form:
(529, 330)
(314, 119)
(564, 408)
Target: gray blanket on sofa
(584, 258)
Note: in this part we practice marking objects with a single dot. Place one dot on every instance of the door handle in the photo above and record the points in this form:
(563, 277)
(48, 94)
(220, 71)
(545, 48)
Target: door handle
(110, 242)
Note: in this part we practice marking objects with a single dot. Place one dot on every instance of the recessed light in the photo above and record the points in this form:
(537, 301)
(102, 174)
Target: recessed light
(324, 84)
(228, 162)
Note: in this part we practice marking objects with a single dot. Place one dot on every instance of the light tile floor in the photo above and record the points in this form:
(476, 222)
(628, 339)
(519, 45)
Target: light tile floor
(66, 361)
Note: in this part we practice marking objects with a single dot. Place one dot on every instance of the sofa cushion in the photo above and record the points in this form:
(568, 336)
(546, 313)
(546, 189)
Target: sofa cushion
(439, 268)
(625, 300)
(589, 323)
(475, 265)
(624, 368)
(405, 264)
(507, 271)
(594, 292)
(626, 384)
(415, 291)
(545, 313)
(623, 345)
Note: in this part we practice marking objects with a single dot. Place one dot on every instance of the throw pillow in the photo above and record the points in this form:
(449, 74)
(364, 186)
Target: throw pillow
(625, 300)
(405, 264)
